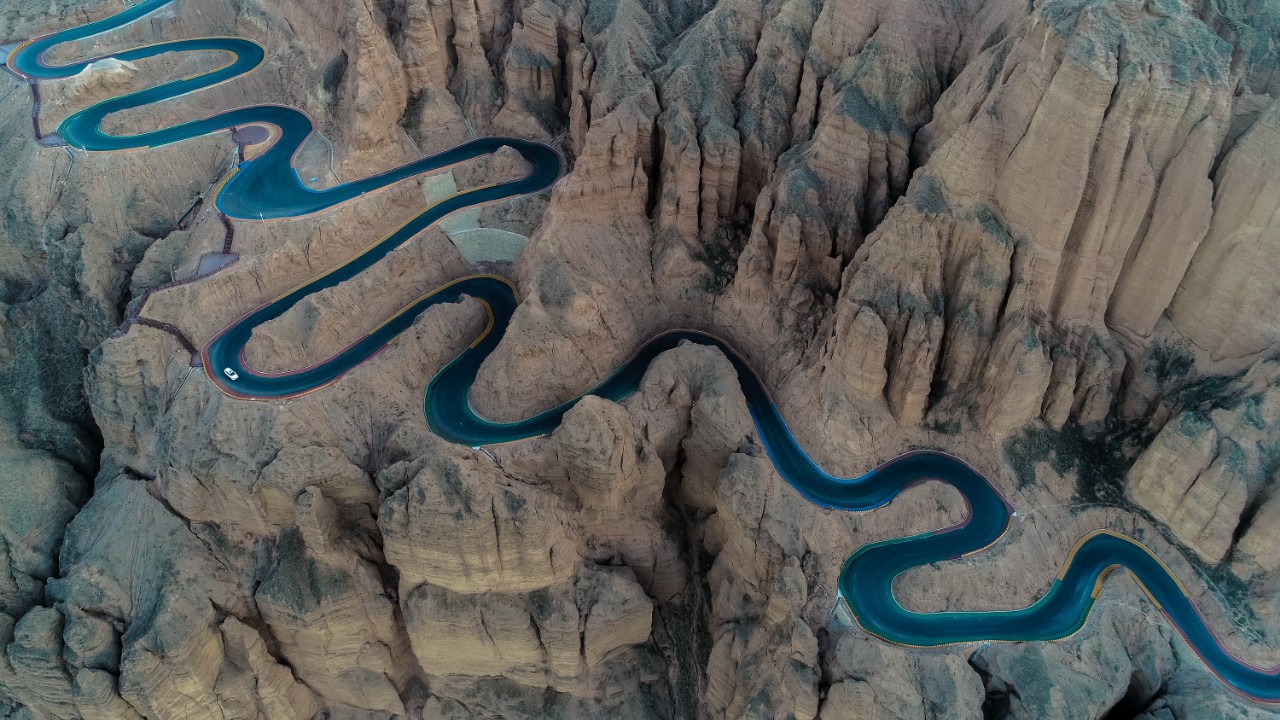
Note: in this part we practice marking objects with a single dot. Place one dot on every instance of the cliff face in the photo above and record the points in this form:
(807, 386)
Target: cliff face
(1039, 236)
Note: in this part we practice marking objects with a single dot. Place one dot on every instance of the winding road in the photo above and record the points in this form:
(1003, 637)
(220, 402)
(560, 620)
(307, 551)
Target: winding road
(267, 187)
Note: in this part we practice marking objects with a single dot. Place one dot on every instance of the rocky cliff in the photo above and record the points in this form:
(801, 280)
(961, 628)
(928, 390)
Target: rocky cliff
(1040, 236)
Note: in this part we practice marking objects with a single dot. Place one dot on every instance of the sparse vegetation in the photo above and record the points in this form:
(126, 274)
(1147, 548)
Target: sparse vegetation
(871, 112)
(929, 197)
(949, 426)
(555, 289)
(991, 224)
(1254, 28)
(1169, 363)
(1231, 590)
(412, 110)
(1099, 461)
(1208, 393)
(719, 254)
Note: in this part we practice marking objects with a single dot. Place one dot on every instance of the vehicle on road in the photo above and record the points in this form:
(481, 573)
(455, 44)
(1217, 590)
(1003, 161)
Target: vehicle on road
(231, 373)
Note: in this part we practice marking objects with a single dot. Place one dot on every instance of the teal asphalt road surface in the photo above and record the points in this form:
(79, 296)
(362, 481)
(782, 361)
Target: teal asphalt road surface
(268, 187)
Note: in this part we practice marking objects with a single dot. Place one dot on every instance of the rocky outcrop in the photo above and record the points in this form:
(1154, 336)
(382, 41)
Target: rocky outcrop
(1258, 540)
(773, 662)
(1120, 670)
(142, 628)
(554, 636)
(1234, 319)
(869, 679)
(1205, 472)
(457, 526)
(1040, 312)
(1193, 695)
(335, 624)
(40, 495)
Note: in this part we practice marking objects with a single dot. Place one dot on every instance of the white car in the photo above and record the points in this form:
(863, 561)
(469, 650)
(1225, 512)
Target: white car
(231, 373)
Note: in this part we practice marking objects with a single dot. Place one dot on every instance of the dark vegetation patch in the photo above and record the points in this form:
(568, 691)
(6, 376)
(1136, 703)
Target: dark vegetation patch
(1169, 363)
(1099, 460)
(18, 289)
(929, 197)
(945, 426)
(412, 111)
(985, 216)
(872, 112)
(1231, 590)
(554, 287)
(1253, 29)
(719, 253)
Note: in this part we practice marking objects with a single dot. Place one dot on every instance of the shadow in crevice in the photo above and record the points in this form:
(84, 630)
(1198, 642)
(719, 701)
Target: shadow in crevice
(1137, 699)
(682, 624)
(997, 703)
